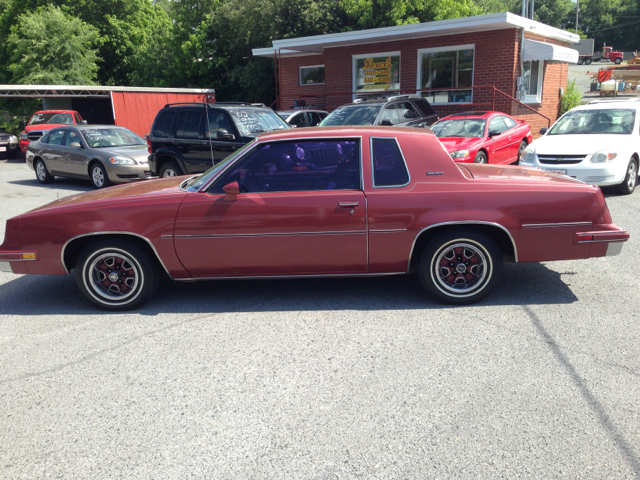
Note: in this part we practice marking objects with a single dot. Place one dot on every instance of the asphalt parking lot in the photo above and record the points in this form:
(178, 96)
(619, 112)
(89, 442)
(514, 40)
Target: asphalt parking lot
(323, 379)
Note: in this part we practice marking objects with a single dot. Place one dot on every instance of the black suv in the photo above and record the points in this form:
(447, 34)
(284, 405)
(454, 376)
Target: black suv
(192, 137)
(399, 110)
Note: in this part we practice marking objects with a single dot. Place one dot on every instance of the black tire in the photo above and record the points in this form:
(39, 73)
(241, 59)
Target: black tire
(474, 252)
(617, 61)
(580, 61)
(170, 169)
(42, 174)
(480, 157)
(116, 274)
(523, 145)
(630, 179)
(588, 61)
(98, 175)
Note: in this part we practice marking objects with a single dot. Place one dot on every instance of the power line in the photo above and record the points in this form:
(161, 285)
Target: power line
(610, 28)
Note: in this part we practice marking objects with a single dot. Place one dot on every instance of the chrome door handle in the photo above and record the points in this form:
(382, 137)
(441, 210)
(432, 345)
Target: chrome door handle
(348, 204)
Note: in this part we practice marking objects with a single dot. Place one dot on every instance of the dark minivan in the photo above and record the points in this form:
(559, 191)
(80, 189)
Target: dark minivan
(191, 137)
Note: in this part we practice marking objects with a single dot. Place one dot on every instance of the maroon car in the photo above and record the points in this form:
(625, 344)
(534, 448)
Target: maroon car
(336, 201)
(483, 137)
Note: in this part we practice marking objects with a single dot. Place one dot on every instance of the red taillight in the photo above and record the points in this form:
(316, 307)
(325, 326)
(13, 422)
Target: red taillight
(149, 143)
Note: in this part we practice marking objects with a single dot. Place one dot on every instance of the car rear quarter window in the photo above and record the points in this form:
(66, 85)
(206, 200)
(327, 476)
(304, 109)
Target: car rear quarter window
(163, 124)
(388, 165)
(188, 124)
(427, 109)
(312, 165)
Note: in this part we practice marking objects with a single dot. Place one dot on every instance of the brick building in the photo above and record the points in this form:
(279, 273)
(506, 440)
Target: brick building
(490, 62)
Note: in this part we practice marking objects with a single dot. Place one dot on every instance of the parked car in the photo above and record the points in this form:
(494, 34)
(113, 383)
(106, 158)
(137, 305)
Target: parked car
(397, 110)
(303, 118)
(43, 121)
(192, 137)
(597, 143)
(104, 154)
(483, 137)
(8, 144)
(318, 202)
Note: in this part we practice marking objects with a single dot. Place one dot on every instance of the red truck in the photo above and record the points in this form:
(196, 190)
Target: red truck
(43, 121)
(587, 55)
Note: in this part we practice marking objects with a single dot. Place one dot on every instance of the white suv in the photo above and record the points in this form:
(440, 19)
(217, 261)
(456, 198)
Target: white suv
(597, 143)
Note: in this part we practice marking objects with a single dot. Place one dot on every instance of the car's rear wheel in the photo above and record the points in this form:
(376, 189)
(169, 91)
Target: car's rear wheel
(460, 266)
(99, 176)
(480, 157)
(116, 275)
(631, 178)
(588, 61)
(580, 61)
(170, 169)
(618, 61)
(42, 174)
(523, 145)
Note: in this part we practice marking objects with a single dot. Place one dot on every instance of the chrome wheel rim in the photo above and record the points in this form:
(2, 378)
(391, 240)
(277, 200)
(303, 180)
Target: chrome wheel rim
(98, 176)
(113, 277)
(461, 268)
(169, 172)
(632, 173)
(41, 171)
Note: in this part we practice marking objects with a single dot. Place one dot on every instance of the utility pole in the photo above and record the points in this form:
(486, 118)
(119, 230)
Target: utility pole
(577, 10)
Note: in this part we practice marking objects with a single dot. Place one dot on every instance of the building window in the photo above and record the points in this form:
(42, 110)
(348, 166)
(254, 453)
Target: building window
(313, 75)
(444, 72)
(531, 86)
(376, 72)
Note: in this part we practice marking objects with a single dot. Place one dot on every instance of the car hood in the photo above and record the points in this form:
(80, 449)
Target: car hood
(140, 153)
(509, 173)
(44, 126)
(131, 191)
(459, 143)
(576, 144)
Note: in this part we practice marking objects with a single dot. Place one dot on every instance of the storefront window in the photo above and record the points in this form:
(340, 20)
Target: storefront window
(376, 72)
(532, 82)
(312, 75)
(443, 71)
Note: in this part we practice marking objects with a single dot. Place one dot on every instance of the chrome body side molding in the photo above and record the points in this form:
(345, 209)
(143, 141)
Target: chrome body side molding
(311, 275)
(551, 225)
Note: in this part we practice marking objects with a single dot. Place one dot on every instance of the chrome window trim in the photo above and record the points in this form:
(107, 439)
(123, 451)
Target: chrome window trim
(544, 225)
(464, 222)
(373, 172)
(64, 247)
(311, 275)
(317, 139)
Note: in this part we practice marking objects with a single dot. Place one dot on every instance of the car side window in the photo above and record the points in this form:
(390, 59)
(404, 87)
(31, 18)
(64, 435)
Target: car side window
(188, 124)
(406, 112)
(56, 137)
(509, 122)
(218, 121)
(297, 120)
(163, 124)
(312, 165)
(78, 119)
(389, 167)
(314, 118)
(390, 114)
(72, 137)
(425, 106)
(497, 124)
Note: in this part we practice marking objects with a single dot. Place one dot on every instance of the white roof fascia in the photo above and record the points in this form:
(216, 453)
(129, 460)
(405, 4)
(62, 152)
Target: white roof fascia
(495, 21)
(99, 88)
(534, 50)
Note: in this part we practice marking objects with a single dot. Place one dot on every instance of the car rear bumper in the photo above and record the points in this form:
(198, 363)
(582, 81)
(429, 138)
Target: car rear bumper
(606, 242)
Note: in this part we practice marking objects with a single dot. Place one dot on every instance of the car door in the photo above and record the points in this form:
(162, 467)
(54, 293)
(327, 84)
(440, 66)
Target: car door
(53, 151)
(220, 147)
(515, 138)
(74, 155)
(300, 211)
(188, 139)
(499, 145)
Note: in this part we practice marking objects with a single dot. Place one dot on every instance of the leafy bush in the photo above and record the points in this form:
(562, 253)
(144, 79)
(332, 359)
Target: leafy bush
(571, 98)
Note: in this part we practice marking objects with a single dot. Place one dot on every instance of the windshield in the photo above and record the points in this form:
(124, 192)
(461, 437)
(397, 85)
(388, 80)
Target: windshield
(52, 118)
(461, 127)
(111, 137)
(256, 121)
(194, 184)
(352, 115)
(594, 122)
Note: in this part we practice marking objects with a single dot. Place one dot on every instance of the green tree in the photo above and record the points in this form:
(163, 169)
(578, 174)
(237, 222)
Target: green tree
(50, 47)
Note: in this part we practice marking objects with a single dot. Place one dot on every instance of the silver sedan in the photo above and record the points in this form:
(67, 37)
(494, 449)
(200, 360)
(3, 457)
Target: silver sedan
(102, 154)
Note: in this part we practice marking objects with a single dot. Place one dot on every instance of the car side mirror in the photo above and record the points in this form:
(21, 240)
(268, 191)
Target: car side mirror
(386, 122)
(544, 130)
(83, 122)
(225, 135)
(22, 125)
(231, 190)
(493, 133)
(75, 145)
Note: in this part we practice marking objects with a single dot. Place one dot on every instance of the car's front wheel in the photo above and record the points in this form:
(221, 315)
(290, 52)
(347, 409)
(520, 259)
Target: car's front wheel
(42, 174)
(99, 176)
(480, 157)
(460, 266)
(116, 275)
(170, 169)
(631, 178)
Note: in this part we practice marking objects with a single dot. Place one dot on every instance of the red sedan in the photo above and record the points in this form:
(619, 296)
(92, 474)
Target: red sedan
(336, 201)
(483, 137)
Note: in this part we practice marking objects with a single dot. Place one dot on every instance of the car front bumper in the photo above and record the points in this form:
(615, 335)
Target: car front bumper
(128, 173)
(601, 174)
(7, 146)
